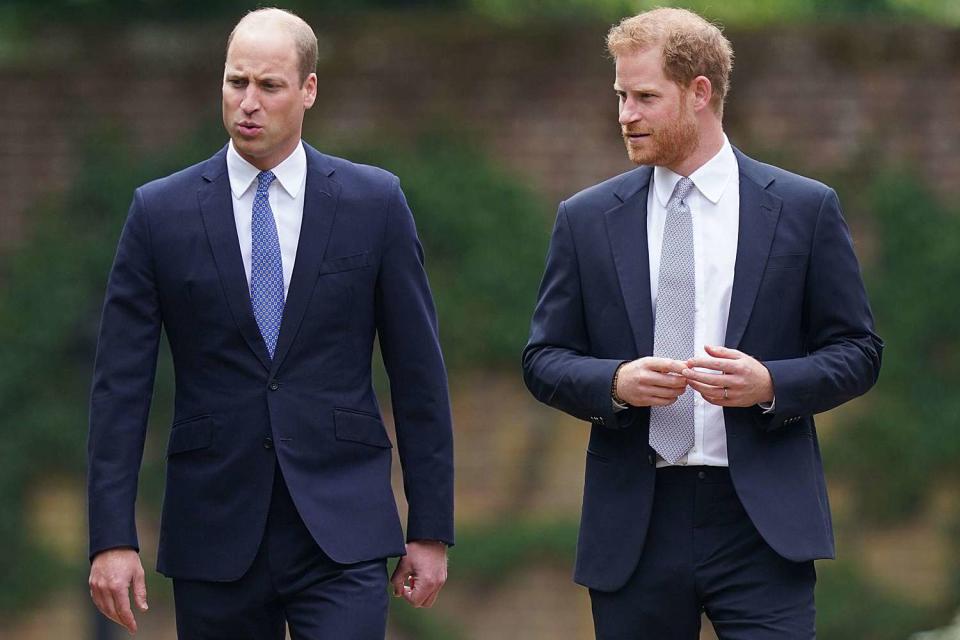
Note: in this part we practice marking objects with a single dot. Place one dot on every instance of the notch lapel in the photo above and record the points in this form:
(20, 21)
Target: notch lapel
(216, 208)
(759, 213)
(319, 211)
(627, 233)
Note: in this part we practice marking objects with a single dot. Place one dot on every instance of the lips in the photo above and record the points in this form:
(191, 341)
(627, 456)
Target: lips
(249, 129)
(635, 137)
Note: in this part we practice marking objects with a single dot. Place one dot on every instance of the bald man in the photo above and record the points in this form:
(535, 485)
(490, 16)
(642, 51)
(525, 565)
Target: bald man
(272, 267)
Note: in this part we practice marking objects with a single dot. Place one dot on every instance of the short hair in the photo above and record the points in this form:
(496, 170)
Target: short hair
(304, 39)
(691, 45)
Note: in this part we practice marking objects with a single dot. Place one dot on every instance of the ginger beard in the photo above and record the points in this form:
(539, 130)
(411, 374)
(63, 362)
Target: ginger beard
(670, 143)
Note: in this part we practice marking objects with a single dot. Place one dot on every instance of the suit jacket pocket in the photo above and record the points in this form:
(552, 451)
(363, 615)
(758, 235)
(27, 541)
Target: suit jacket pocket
(346, 263)
(355, 426)
(191, 435)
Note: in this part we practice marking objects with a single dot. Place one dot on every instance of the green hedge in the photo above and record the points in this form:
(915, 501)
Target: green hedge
(903, 440)
(485, 237)
(742, 12)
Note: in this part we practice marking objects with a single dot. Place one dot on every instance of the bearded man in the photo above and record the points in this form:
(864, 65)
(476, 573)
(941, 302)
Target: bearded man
(698, 311)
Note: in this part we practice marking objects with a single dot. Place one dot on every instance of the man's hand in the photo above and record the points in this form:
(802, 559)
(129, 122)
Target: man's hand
(420, 574)
(651, 382)
(744, 381)
(111, 575)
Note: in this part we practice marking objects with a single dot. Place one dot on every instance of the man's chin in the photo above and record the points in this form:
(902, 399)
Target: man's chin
(244, 145)
(638, 158)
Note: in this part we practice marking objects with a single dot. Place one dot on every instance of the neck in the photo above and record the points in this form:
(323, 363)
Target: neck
(272, 160)
(711, 141)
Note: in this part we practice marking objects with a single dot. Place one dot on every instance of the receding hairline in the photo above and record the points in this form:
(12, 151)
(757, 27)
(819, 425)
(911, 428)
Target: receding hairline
(301, 34)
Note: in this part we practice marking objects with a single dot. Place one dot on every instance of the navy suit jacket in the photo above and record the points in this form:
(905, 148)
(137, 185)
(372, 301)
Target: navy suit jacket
(798, 305)
(237, 413)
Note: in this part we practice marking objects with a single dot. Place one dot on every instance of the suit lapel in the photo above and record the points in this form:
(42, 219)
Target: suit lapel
(319, 210)
(759, 213)
(216, 207)
(627, 233)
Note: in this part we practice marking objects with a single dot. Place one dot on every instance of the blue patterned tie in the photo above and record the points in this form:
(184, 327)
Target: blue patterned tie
(671, 427)
(266, 265)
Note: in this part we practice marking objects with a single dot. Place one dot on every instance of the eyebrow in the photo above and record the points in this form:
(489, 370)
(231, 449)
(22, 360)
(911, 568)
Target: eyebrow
(646, 89)
(235, 75)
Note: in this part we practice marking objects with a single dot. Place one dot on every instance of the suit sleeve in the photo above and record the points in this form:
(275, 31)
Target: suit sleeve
(122, 386)
(409, 341)
(557, 366)
(843, 352)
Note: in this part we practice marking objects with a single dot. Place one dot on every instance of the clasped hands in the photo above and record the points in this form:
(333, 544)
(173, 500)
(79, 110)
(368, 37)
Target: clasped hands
(740, 381)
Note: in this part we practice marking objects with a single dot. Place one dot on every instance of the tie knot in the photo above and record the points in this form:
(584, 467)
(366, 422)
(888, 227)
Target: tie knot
(264, 178)
(683, 189)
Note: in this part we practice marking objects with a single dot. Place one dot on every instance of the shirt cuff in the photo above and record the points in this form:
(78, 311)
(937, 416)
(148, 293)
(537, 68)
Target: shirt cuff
(768, 407)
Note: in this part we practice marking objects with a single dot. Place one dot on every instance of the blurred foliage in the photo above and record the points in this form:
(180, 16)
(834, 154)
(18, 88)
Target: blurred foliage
(422, 624)
(92, 12)
(911, 422)
(848, 606)
(490, 554)
(487, 557)
(484, 236)
(49, 305)
(733, 12)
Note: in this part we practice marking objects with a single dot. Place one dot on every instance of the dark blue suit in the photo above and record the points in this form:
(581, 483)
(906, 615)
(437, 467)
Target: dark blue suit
(798, 305)
(238, 414)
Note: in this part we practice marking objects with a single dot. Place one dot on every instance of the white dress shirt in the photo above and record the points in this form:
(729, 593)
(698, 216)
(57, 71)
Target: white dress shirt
(715, 209)
(286, 196)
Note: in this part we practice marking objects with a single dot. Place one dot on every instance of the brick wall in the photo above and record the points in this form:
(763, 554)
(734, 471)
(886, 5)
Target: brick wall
(538, 99)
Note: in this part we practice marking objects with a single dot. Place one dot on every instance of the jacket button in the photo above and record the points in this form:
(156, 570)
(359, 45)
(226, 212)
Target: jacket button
(268, 443)
(274, 385)
(650, 459)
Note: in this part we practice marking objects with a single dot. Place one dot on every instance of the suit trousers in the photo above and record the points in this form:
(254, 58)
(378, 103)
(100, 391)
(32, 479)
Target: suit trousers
(291, 582)
(703, 554)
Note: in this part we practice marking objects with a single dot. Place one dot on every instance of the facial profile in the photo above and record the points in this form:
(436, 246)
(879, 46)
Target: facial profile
(657, 118)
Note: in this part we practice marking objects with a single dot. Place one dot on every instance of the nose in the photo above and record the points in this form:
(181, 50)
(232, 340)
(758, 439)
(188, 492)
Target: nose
(251, 101)
(628, 112)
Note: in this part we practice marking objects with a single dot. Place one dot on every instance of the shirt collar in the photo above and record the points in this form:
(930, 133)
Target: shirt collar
(291, 173)
(711, 179)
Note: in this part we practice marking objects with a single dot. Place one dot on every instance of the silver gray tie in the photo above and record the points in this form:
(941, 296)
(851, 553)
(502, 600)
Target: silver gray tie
(671, 427)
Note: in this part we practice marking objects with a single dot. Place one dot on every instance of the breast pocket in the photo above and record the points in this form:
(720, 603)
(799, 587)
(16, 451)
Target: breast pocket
(341, 293)
(345, 263)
